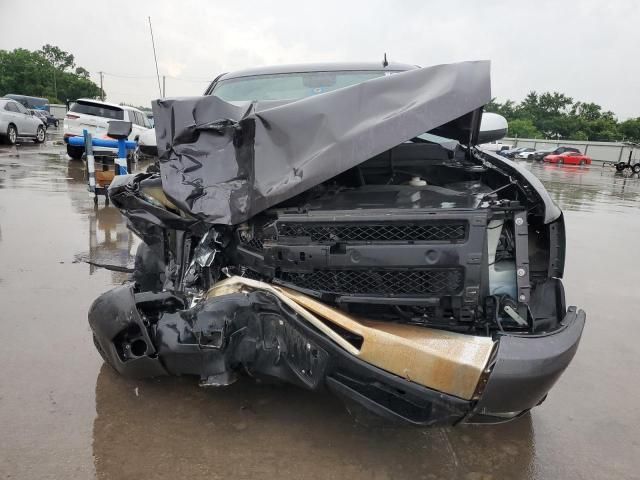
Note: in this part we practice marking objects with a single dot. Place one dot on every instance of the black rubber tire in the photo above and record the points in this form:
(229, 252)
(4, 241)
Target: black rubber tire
(56, 123)
(636, 168)
(75, 152)
(530, 157)
(41, 135)
(620, 166)
(12, 135)
(582, 163)
(560, 161)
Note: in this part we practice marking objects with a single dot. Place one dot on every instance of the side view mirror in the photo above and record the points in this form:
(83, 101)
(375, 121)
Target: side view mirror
(492, 127)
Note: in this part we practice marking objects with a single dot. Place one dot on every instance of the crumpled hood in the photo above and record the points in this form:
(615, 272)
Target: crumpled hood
(224, 163)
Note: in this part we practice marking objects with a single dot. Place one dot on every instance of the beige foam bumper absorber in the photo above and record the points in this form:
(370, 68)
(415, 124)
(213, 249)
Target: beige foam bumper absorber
(449, 362)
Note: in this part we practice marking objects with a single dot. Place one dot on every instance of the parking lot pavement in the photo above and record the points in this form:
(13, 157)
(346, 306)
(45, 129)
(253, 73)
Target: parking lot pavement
(63, 414)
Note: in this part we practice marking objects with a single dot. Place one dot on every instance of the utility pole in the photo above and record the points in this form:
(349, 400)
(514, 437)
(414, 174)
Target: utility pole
(164, 78)
(101, 90)
(55, 86)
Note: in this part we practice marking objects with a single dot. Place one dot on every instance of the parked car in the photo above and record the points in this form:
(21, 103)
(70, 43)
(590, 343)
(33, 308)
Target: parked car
(496, 146)
(94, 116)
(39, 116)
(524, 153)
(513, 152)
(302, 231)
(539, 155)
(509, 152)
(35, 103)
(16, 121)
(569, 158)
(46, 117)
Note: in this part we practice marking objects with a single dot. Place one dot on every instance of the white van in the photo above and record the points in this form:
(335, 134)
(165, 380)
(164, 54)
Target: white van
(94, 116)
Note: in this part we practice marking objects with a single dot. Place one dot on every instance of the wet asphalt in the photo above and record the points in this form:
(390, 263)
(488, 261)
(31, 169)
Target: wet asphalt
(63, 414)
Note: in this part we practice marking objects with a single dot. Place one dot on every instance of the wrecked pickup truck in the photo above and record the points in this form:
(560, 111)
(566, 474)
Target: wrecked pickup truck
(336, 227)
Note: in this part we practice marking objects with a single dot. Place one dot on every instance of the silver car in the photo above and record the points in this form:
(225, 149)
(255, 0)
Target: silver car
(16, 121)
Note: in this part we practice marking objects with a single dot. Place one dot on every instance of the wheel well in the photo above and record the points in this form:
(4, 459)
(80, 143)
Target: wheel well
(11, 124)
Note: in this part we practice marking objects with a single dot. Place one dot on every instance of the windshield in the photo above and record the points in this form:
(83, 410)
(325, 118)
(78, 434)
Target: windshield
(289, 86)
(293, 86)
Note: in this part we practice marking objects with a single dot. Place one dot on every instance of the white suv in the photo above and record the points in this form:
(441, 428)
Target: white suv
(94, 116)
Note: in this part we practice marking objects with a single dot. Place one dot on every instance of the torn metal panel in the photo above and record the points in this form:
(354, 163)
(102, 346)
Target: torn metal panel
(445, 361)
(224, 163)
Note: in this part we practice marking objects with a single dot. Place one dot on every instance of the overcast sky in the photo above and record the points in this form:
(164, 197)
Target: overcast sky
(584, 48)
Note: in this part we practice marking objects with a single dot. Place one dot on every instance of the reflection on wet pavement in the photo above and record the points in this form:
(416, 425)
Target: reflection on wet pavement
(64, 414)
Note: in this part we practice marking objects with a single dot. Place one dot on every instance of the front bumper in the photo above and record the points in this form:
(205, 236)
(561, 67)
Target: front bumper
(255, 332)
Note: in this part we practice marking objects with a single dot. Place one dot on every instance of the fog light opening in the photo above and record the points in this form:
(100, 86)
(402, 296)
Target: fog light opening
(138, 347)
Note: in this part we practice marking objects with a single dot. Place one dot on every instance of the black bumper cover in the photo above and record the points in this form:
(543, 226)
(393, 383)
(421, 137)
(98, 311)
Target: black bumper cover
(255, 332)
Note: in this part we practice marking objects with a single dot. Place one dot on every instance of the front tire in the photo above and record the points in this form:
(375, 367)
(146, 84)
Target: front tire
(560, 161)
(636, 168)
(12, 134)
(55, 124)
(75, 152)
(530, 157)
(40, 135)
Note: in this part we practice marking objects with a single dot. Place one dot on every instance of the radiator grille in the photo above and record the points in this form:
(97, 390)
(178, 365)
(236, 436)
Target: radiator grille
(255, 244)
(381, 232)
(447, 281)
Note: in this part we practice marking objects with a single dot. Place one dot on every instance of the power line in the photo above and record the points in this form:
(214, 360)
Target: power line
(129, 76)
(154, 56)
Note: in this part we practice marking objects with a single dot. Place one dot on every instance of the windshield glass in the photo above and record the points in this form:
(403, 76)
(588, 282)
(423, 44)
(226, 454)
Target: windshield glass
(293, 86)
(289, 86)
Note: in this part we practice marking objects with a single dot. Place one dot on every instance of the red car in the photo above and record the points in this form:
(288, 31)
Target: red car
(570, 158)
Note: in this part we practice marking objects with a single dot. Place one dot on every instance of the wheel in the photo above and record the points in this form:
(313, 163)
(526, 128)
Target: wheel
(560, 161)
(636, 168)
(40, 135)
(530, 157)
(581, 163)
(75, 152)
(55, 124)
(620, 166)
(12, 134)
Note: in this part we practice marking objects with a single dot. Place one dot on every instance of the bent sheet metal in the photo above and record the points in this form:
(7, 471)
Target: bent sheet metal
(445, 361)
(224, 163)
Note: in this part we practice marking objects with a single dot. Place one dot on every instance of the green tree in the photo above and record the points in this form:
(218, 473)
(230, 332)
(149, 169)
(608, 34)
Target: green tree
(630, 129)
(58, 58)
(43, 74)
(554, 114)
(82, 72)
(523, 128)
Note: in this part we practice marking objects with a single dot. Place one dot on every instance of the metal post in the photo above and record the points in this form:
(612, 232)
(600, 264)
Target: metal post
(91, 164)
(164, 84)
(121, 161)
(101, 89)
